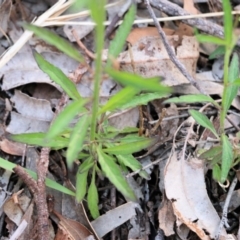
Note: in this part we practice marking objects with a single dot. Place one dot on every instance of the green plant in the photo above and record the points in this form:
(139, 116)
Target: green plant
(100, 148)
(225, 155)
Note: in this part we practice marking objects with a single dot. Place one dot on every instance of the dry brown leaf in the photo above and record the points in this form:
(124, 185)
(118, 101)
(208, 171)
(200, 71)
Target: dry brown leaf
(5, 10)
(13, 148)
(14, 210)
(151, 58)
(166, 218)
(137, 33)
(188, 5)
(70, 229)
(185, 188)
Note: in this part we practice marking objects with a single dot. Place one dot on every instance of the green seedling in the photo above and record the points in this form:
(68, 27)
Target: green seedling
(98, 147)
(223, 157)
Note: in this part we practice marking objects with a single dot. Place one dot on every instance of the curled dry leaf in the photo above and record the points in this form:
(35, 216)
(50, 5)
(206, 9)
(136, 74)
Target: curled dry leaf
(13, 148)
(70, 229)
(185, 188)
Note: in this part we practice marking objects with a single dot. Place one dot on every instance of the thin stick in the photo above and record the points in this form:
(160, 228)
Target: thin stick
(171, 53)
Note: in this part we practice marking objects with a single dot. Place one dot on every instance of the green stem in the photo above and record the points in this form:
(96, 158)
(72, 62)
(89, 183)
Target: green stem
(223, 112)
(98, 14)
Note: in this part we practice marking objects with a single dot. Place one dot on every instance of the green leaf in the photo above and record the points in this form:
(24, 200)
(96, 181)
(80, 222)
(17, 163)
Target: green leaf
(38, 139)
(227, 157)
(211, 153)
(77, 139)
(228, 22)
(220, 51)
(190, 99)
(210, 39)
(119, 99)
(236, 83)
(86, 165)
(81, 182)
(231, 91)
(53, 39)
(118, 42)
(133, 164)
(92, 198)
(202, 120)
(77, 6)
(217, 172)
(135, 81)
(49, 183)
(142, 99)
(58, 77)
(64, 118)
(113, 173)
(129, 148)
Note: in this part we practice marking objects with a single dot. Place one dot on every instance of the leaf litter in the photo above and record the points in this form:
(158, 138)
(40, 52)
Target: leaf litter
(186, 201)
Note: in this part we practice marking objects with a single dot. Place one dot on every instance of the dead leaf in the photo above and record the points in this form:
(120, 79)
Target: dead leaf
(188, 5)
(185, 188)
(36, 109)
(114, 218)
(151, 58)
(70, 229)
(20, 124)
(166, 217)
(5, 10)
(15, 211)
(13, 148)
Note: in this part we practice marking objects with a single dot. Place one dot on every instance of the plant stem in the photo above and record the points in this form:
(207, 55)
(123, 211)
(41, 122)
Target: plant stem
(223, 112)
(98, 15)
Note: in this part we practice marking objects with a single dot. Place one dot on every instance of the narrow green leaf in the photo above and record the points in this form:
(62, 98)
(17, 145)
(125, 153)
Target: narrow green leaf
(133, 164)
(92, 198)
(190, 99)
(86, 165)
(227, 157)
(202, 120)
(217, 172)
(58, 77)
(135, 81)
(228, 22)
(49, 183)
(64, 118)
(211, 153)
(231, 91)
(55, 40)
(77, 139)
(142, 99)
(119, 99)
(81, 182)
(129, 148)
(38, 139)
(113, 173)
(220, 51)
(210, 39)
(118, 42)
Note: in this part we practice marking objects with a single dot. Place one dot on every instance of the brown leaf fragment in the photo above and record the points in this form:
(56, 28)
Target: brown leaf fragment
(13, 148)
(152, 60)
(166, 218)
(70, 229)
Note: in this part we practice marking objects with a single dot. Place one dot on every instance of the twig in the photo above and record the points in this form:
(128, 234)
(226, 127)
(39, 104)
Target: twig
(225, 208)
(170, 52)
(202, 24)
